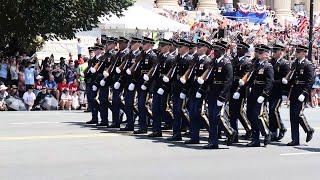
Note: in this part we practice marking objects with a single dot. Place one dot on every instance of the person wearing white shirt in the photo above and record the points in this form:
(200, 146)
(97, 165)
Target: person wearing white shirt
(29, 97)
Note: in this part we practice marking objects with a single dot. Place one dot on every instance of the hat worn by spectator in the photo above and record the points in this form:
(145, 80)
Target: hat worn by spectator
(3, 87)
(39, 77)
(14, 87)
(123, 40)
(202, 43)
(146, 40)
(164, 42)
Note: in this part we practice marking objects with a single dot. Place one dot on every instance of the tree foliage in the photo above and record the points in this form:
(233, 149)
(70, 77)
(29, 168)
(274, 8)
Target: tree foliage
(22, 22)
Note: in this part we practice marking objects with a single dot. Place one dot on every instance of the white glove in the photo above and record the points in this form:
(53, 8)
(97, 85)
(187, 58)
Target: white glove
(284, 81)
(182, 96)
(131, 87)
(81, 74)
(128, 71)
(284, 98)
(145, 77)
(182, 80)
(241, 82)
(93, 70)
(301, 98)
(260, 99)
(198, 95)
(219, 103)
(236, 95)
(165, 79)
(200, 80)
(160, 91)
(94, 88)
(105, 74)
(143, 87)
(118, 70)
(116, 85)
(102, 82)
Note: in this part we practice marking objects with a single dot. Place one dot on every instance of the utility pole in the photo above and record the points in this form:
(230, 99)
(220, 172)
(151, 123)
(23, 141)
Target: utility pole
(311, 30)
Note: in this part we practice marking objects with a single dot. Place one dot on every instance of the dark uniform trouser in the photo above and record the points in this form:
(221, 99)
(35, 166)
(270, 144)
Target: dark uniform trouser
(116, 102)
(214, 113)
(236, 110)
(177, 112)
(89, 96)
(297, 117)
(195, 117)
(256, 116)
(142, 108)
(103, 107)
(275, 121)
(128, 107)
(159, 106)
(94, 105)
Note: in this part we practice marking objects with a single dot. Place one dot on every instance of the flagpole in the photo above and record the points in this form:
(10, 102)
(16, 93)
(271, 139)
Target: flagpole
(311, 30)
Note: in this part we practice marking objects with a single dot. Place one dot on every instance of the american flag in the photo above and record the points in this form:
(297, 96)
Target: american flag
(303, 24)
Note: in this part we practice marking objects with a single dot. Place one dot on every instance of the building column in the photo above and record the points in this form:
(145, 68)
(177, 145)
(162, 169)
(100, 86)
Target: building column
(208, 5)
(282, 9)
(168, 4)
(248, 1)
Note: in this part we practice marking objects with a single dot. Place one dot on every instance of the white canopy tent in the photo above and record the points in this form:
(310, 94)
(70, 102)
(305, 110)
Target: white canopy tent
(137, 17)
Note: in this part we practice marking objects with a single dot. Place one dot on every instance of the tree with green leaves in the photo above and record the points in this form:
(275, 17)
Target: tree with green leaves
(25, 24)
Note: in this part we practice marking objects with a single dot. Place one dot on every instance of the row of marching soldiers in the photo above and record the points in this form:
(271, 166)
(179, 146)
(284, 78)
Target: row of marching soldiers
(192, 86)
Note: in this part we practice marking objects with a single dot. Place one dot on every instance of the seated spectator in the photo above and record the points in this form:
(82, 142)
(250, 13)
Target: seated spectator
(40, 97)
(29, 97)
(38, 86)
(3, 95)
(45, 73)
(62, 86)
(74, 86)
(75, 101)
(51, 85)
(66, 100)
(14, 91)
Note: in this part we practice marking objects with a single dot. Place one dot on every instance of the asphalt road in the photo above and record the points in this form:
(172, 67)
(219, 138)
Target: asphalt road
(57, 145)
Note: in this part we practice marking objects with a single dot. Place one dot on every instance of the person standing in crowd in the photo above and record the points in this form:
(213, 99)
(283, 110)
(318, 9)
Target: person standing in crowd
(21, 79)
(58, 73)
(14, 70)
(70, 73)
(30, 75)
(4, 69)
(28, 98)
(45, 72)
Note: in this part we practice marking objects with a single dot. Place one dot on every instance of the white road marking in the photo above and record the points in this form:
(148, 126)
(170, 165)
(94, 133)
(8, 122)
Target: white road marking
(63, 136)
(27, 123)
(297, 154)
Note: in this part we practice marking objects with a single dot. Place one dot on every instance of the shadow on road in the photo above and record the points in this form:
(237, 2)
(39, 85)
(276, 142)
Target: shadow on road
(310, 149)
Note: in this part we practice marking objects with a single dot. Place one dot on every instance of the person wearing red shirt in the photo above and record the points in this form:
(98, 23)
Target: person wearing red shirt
(62, 86)
(73, 87)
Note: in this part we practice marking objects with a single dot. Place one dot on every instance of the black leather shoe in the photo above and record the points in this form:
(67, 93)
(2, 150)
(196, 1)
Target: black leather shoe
(293, 143)
(103, 124)
(191, 141)
(267, 140)
(175, 138)
(282, 133)
(166, 127)
(155, 134)
(114, 126)
(253, 144)
(247, 136)
(211, 146)
(140, 131)
(92, 122)
(126, 129)
(86, 111)
(231, 138)
(310, 135)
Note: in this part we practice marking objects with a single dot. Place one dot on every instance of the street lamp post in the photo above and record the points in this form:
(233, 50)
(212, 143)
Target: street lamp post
(311, 30)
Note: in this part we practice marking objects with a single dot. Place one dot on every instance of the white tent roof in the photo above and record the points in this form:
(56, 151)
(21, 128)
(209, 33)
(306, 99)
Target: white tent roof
(143, 19)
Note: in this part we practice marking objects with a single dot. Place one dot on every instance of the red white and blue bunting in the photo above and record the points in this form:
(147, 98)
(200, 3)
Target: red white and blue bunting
(248, 8)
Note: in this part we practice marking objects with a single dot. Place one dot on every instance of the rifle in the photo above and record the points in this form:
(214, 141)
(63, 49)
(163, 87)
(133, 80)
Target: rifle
(184, 79)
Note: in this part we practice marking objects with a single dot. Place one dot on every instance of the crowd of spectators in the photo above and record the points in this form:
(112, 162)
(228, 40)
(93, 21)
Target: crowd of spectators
(32, 81)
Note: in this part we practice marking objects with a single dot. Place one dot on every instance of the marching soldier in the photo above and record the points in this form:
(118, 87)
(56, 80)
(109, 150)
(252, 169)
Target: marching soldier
(173, 77)
(242, 67)
(129, 89)
(104, 104)
(279, 92)
(111, 76)
(260, 83)
(219, 78)
(137, 71)
(160, 96)
(90, 76)
(195, 102)
(301, 79)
